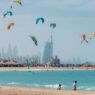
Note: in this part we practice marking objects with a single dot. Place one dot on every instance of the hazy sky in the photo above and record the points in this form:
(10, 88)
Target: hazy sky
(72, 17)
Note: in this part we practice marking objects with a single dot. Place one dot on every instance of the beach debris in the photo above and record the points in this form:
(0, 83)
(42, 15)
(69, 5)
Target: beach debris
(53, 25)
(7, 12)
(15, 1)
(40, 19)
(84, 38)
(9, 25)
(91, 35)
(34, 39)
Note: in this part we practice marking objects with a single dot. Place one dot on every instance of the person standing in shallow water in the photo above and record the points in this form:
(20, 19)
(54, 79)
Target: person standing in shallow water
(75, 86)
(59, 87)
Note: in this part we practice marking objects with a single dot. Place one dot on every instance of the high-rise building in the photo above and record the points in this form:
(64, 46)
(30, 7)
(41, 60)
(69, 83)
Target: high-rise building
(9, 53)
(15, 52)
(3, 53)
(48, 52)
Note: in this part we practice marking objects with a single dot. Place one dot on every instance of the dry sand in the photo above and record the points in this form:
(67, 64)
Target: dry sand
(37, 91)
(42, 68)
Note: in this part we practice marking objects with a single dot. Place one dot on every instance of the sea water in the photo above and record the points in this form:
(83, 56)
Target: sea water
(49, 79)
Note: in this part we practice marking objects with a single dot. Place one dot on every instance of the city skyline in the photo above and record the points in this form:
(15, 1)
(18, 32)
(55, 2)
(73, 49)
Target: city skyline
(12, 52)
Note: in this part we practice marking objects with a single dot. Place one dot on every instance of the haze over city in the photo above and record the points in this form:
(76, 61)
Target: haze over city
(72, 18)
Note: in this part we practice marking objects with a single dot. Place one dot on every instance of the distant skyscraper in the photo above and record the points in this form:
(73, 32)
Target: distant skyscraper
(48, 52)
(15, 52)
(9, 53)
(78, 60)
(3, 53)
(74, 60)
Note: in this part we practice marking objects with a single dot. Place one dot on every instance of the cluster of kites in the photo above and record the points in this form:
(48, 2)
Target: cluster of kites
(84, 37)
(39, 19)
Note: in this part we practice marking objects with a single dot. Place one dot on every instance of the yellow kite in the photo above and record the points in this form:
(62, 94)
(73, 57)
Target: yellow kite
(91, 35)
(15, 1)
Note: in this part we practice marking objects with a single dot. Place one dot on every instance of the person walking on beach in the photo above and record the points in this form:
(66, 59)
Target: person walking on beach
(59, 87)
(75, 86)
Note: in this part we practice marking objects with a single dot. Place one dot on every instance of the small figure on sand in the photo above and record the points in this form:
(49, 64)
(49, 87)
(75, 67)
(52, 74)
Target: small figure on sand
(75, 86)
(59, 87)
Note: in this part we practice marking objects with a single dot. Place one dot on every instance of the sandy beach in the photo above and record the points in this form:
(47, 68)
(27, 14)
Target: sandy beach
(43, 68)
(37, 91)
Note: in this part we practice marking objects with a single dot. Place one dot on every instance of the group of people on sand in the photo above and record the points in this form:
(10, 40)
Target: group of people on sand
(74, 86)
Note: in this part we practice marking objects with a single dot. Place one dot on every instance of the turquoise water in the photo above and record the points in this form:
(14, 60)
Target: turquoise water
(49, 79)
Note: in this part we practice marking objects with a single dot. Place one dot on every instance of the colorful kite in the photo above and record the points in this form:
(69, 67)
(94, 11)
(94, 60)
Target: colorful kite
(84, 38)
(9, 25)
(40, 19)
(15, 1)
(91, 35)
(7, 12)
(34, 39)
(53, 25)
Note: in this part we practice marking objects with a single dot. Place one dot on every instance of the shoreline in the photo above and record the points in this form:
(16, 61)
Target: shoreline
(8, 90)
(44, 69)
(4, 90)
